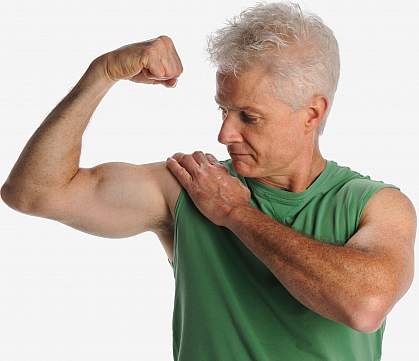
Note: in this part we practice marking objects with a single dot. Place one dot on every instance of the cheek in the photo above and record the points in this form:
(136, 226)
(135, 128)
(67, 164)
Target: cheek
(283, 143)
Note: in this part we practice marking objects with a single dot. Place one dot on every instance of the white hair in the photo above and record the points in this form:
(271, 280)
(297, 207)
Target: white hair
(297, 48)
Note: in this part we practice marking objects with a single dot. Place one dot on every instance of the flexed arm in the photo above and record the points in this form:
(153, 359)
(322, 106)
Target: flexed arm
(50, 159)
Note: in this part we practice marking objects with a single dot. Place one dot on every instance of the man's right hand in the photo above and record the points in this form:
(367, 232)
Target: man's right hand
(153, 61)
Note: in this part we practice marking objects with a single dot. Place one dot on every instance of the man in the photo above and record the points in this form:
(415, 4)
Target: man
(278, 253)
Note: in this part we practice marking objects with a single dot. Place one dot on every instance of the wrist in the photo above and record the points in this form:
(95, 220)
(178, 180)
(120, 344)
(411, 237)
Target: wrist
(97, 71)
(235, 216)
(94, 82)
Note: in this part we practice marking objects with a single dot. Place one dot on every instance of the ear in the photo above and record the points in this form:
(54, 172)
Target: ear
(316, 110)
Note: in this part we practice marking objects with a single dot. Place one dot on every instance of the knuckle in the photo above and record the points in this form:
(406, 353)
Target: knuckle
(152, 48)
(198, 171)
(165, 38)
(148, 51)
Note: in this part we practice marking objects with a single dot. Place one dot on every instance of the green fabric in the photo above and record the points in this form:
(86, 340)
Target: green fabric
(229, 306)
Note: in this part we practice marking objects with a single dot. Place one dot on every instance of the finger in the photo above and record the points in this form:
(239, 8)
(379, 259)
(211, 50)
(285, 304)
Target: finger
(178, 62)
(191, 165)
(187, 161)
(171, 60)
(153, 68)
(149, 75)
(211, 158)
(178, 156)
(169, 64)
(200, 158)
(214, 161)
(171, 83)
(144, 76)
(181, 174)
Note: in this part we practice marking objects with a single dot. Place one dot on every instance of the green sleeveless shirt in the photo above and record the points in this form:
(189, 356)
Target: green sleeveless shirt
(229, 306)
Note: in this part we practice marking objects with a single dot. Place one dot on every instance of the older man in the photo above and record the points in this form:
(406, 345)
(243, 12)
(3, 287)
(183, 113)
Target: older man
(277, 253)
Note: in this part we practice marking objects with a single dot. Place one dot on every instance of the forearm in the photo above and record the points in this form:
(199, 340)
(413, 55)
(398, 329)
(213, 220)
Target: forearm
(51, 156)
(339, 283)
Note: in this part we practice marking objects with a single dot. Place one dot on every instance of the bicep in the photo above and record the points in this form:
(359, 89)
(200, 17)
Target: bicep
(388, 230)
(113, 200)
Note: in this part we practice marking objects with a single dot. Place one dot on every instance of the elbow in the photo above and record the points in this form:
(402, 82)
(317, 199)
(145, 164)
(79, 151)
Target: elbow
(9, 195)
(370, 317)
(6, 196)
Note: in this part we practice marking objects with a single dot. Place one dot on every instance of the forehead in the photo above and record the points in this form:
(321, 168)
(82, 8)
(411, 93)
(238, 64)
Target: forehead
(249, 88)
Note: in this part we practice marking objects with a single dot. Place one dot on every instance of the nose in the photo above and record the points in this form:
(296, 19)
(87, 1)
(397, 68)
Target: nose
(230, 130)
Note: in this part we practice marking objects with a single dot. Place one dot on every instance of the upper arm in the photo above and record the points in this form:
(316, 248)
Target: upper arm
(388, 230)
(113, 200)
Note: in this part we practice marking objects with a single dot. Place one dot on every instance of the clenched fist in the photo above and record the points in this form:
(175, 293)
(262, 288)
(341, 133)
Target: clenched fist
(153, 61)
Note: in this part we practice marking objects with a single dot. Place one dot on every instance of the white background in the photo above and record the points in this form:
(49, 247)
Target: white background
(67, 295)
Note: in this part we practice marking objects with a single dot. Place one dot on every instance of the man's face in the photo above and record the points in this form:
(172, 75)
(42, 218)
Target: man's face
(271, 139)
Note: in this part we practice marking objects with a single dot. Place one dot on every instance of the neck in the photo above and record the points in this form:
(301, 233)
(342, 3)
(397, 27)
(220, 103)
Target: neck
(299, 174)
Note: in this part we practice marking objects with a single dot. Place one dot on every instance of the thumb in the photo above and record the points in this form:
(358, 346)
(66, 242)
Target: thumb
(171, 83)
(148, 74)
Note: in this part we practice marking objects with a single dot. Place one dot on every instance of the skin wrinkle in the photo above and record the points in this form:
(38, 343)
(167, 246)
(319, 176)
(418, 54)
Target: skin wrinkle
(276, 124)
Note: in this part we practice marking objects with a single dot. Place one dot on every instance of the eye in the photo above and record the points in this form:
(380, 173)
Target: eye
(248, 119)
(245, 117)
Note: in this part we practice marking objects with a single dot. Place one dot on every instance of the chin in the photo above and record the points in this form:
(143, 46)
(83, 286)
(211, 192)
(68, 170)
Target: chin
(240, 167)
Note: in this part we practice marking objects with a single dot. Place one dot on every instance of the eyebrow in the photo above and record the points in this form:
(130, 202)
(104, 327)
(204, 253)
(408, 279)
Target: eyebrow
(252, 109)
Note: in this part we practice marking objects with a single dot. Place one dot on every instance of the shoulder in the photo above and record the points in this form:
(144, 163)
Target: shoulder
(388, 221)
(390, 205)
(360, 190)
(171, 188)
(368, 197)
